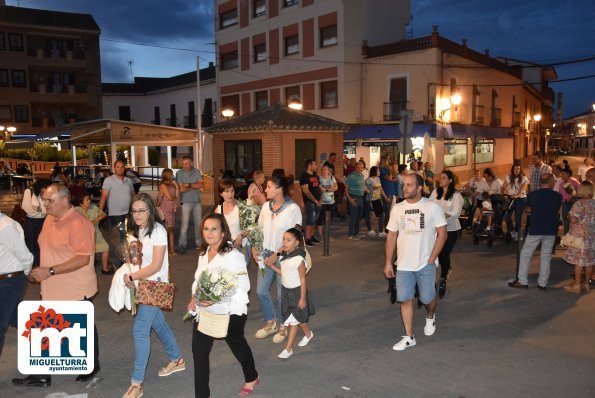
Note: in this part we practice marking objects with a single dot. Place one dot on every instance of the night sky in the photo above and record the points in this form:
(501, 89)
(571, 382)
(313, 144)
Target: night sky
(546, 31)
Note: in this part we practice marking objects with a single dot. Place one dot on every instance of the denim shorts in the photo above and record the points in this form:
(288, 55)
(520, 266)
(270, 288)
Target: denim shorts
(312, 212)
(425, 279)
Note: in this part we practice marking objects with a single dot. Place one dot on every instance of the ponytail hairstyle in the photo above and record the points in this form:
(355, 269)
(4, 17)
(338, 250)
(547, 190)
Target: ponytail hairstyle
(281, 181)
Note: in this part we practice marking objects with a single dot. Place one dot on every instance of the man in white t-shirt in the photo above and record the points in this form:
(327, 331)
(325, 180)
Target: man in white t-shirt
(582, 171)
(417, 228)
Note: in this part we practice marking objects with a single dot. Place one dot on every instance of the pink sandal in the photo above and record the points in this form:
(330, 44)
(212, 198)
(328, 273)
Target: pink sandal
(247, 391)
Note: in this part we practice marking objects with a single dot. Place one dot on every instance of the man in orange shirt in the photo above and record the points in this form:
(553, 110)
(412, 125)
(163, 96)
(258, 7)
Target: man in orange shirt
(66, 270)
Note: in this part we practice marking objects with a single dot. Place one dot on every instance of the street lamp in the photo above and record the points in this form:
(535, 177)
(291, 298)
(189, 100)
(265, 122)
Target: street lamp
(295, 103)
(537, 118)
(227, 113)
(455, 100)
(7, 132)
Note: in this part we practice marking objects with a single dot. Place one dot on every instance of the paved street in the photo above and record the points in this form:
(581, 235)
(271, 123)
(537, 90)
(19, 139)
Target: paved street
(491, 340)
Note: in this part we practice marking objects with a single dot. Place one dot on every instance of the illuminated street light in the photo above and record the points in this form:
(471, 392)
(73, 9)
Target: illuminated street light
(227, 113)
(295, 103)
(6, 132)
(537, 117)
(456, 99)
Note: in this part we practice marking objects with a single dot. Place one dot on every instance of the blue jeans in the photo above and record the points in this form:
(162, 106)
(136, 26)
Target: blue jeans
(518, 207)
(531, 243)
(11, 292)
(196, 211)
(312, 211)
(367, 210)
(147, 318)
(263, 291)
(355, 213)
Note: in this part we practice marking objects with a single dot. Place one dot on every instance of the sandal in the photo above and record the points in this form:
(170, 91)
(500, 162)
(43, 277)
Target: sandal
(172, 367)
(279, 337)
(134, 391)
(572, 288)
(246, 390)
(264, 332)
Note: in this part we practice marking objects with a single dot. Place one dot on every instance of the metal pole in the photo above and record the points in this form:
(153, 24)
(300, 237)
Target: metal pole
(327, 233)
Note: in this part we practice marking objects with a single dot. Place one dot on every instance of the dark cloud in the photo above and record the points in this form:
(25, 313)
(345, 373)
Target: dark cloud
(114, 66)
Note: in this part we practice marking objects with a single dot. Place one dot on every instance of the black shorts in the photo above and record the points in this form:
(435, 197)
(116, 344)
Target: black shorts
(378, 207)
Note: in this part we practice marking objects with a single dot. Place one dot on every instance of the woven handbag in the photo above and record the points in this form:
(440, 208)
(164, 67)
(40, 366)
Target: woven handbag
(157, 294)
(214, 325)
(575, 242)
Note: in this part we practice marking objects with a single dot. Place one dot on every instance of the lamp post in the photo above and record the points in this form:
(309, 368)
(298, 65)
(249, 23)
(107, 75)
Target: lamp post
(537, 119)
(7, 132)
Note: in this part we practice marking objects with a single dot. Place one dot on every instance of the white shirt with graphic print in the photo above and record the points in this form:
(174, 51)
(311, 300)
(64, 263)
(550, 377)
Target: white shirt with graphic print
(416, 224)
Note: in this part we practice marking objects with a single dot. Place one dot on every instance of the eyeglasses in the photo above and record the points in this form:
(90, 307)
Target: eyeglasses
(139, 211)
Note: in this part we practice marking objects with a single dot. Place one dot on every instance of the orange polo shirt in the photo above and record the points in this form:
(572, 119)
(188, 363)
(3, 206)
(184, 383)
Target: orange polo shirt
(59, 241)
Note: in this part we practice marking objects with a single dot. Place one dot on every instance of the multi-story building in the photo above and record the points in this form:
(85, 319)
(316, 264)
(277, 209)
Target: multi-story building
(580, 131)
(50, 71)
(273, 51)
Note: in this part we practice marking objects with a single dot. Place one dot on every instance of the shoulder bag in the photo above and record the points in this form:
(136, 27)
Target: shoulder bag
(214, 325)
(155, 293)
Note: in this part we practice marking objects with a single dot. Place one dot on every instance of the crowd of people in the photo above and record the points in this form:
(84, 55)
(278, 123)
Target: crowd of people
(417, 210)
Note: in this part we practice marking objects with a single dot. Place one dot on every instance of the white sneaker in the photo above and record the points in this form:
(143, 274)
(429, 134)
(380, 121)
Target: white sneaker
(406, 342)
(305, 340)
(382, 234)
(371, 233)
(285, 354)
(430, 327)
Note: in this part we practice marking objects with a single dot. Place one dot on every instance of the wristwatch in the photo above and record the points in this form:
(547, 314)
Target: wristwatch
(51, 270)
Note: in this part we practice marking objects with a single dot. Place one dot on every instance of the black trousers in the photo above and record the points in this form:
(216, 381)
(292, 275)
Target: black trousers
(32, 229)
(201, 349)
(115, 239)
(444, 256)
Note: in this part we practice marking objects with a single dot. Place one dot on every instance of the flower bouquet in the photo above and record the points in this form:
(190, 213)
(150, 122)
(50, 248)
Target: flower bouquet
(215, 287)
(249, 212)
(569, 189)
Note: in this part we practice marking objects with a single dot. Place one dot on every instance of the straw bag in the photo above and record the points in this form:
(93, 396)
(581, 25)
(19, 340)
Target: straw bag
(575, 242)
(157, 294)
(214, 325)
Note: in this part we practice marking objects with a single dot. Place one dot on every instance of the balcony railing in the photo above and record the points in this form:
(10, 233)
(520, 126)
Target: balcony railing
(392, 110)
(516, 119)
(479, 119)
(172, 121)
(77, 53)
(190, 122)
(156, 121)
(496, 117)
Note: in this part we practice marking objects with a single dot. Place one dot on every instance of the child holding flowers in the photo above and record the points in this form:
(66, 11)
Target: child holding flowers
(295, 302)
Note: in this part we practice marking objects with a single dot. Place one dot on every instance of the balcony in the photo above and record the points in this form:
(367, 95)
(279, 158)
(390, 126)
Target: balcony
(172, 121)
(70, 89)
(516, 119)
(190, 122)
(496, 117)
(392, 110)
(479, 118)
(77, 53)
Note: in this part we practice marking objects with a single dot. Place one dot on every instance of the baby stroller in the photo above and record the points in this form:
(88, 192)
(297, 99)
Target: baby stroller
(466, 216)
(480, 229)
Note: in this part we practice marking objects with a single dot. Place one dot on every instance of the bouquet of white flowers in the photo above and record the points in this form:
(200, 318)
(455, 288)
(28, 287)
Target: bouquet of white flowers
(215, 287)
(249, 212)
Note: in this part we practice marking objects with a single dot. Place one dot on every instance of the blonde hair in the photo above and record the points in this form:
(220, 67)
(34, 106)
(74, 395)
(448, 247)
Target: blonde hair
(585, 190)
(257, 173)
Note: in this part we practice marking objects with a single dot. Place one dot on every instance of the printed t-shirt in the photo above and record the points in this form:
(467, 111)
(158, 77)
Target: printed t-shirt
(311, 180)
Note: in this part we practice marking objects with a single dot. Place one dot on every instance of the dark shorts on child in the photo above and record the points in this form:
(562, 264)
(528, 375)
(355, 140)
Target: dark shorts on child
(378, 207)
(289, 303)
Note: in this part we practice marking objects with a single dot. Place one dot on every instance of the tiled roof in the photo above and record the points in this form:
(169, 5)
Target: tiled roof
(47, 18)
(145, 85)
(278, 117)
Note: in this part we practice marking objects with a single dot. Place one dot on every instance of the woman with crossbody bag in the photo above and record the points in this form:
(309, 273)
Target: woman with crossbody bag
(143, 225)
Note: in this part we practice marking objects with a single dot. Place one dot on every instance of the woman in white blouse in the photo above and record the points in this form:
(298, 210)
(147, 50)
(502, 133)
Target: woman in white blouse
(493, 184)
(277, 216)
(229, 208)
(451, 202)
(35, 209)
(515, 187)
(217, 254)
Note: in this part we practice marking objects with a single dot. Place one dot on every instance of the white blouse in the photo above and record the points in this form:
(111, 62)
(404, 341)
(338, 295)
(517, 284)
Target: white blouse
(513, 189)
(232, 219)
(33, 205)
(452, 207)
(290, 275)
(273, 227)
(232, 261)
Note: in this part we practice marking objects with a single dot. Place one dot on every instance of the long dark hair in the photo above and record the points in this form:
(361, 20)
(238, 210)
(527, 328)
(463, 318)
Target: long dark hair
(40, 185)
(373, 171)
(225, 245)
(151, 221)
(450, 190)
(516, 181)
(297, 234)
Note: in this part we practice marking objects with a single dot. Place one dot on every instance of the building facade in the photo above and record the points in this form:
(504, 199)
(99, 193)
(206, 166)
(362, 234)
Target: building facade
(50, 71)
(580, 133)
(273, 51)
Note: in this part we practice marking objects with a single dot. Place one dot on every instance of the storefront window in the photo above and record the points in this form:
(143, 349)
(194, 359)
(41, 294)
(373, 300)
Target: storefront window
(484, 150)
(455, 153)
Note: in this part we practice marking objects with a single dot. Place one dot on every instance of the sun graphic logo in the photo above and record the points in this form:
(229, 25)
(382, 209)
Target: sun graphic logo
(56, 337)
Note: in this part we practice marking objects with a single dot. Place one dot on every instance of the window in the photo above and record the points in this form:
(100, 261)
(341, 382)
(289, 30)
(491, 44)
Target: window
(484, 150)
(259, 8)
(3, 77)
(228, 18)
(397, 99)
(289, 3)
(229, 60)
(18, 78)
(156, 116)
(260, 52)
(455, 152)
(2, 43)
(292, 45)
(21, 114)
(329, 95)
(124, 112)
(15, 41)
(328, 36)
(5, 113)
(292, 92)
(242, 157)
(173, 118)
(261, 99)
